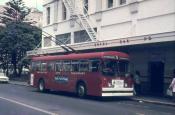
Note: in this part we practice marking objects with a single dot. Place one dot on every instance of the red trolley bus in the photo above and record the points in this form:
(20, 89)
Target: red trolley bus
(96, 74)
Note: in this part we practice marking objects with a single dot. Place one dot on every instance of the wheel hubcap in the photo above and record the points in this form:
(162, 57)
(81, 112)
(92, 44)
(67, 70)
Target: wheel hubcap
(81, 91)
(41, 87)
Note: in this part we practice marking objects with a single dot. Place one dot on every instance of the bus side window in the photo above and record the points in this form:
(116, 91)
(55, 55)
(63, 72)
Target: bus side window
(94, 65)
(50, 66)
(37, 66)
(66, 66)
(33, 66)
(75, 66)
(43, 67)
(58, 66)
(84, 66)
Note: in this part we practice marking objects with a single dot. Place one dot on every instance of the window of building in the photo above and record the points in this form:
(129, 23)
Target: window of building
(64, 38)
(75, 66)
(81, 36)
(86, 6)
(64, 12)
(110, 3)
(58, 66)
(48, 15)
(121, 2)
(47, 41)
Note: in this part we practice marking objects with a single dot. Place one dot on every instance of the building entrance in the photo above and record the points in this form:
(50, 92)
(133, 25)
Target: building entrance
(156, 72)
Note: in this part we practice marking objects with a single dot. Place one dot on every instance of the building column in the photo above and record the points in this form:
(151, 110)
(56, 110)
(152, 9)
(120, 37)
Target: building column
(98, 5)
(72, 37)
(98, 18)
(56, 11)
(133, 7)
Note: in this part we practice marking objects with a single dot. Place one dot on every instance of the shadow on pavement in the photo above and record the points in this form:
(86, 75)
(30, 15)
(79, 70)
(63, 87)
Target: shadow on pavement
(93, 98)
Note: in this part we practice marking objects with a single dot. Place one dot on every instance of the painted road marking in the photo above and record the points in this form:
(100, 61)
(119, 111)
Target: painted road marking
(29, 106)
(140, 114)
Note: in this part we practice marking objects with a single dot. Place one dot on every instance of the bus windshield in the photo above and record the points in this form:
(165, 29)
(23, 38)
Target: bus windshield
(113, 67)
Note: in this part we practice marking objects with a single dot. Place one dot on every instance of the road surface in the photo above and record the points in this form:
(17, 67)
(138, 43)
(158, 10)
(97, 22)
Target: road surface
(23, 100)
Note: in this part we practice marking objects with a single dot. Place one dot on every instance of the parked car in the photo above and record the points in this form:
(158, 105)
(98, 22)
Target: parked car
(3, 78)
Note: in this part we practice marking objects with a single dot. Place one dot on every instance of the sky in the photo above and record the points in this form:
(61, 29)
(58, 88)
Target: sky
(28, 3)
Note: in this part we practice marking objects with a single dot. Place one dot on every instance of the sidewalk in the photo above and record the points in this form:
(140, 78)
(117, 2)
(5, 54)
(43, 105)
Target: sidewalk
(141, 99)
(154, 100)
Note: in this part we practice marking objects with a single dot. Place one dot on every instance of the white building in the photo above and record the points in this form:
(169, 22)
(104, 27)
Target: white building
(35, 17)
(145, 29)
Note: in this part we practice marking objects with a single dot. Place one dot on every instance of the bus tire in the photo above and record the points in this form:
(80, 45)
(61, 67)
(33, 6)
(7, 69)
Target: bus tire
(41, 86)
(81, 90)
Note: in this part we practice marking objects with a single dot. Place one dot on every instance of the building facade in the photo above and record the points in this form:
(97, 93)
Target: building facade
(35, 17)
(145, 29)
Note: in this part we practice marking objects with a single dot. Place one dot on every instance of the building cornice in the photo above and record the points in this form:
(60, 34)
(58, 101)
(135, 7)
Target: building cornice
(49, 3)
(136, 40)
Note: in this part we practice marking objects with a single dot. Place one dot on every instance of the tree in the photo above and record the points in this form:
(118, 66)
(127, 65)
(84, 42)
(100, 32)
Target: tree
(17, 37)
(15, 10)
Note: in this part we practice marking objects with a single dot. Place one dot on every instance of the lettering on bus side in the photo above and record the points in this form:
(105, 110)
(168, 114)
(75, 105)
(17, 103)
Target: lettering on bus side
(61, 79)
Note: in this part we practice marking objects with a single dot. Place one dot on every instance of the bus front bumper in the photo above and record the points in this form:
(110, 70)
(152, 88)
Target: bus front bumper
(117, 92)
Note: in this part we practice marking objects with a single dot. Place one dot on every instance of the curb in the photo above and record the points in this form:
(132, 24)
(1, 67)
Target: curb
(153, 102)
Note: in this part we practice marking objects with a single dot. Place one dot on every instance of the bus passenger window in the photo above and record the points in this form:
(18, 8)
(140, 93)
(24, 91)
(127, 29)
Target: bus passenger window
(58, 66)
(32, 67)
(50, 66)
(35, 66)
(75, 66)
(84, 66)
(94, 65)
(66, 66)
(43, 67)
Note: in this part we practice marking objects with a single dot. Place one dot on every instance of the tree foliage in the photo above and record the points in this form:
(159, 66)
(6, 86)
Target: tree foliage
(15, 10)
(16, 38)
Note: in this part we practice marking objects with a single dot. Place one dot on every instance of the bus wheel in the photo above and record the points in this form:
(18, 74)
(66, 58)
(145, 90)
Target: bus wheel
(41, 86)
(81, 90)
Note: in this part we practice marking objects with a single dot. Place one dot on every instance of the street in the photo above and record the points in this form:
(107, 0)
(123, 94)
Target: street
(23, 100)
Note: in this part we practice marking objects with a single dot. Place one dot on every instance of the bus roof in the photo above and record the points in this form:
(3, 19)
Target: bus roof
(74, 56)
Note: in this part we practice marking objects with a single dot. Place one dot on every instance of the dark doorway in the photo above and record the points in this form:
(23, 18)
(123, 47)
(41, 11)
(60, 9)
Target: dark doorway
(156, 72)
